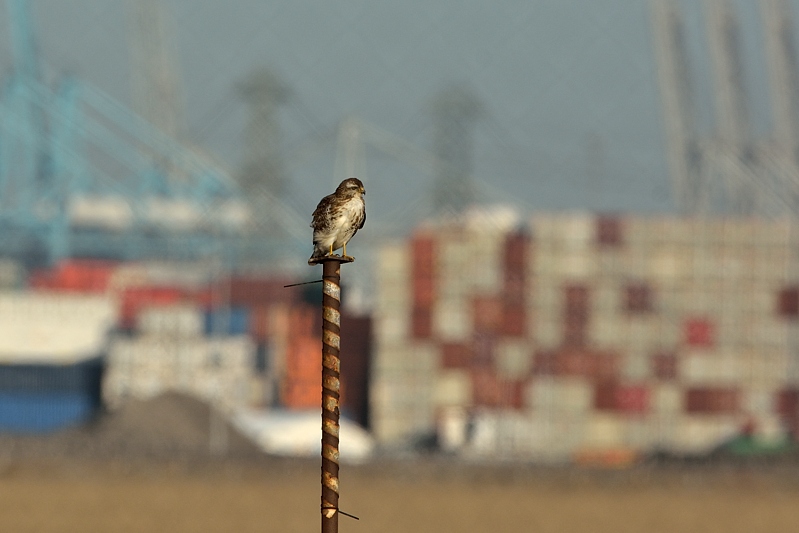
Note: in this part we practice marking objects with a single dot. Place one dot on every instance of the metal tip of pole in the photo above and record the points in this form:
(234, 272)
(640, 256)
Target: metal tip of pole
(324, 259)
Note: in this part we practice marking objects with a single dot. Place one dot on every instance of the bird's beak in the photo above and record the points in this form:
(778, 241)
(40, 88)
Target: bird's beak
(363, 191)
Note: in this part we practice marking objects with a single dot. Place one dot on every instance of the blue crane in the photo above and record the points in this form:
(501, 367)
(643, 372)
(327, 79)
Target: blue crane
(82, 175)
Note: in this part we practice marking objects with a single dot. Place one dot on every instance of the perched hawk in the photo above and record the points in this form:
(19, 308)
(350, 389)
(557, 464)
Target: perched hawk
(337, 218)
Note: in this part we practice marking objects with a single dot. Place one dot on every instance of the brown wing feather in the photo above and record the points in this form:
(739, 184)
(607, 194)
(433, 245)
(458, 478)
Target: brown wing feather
(321, 215)
(363, 218)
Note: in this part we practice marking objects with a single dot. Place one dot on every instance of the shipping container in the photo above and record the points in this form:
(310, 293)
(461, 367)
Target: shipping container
(560, 395)
(515, 322)
(609, 231)
(622, 398)
(699, 332)
(180, 320)
(134, 299)
(456, 355)
(39, 398)
(253, 291)
(226, 321)
(489, 390)
(451, 321)
(453, 387)
(421, 323)
(513, 359)
(301, 394)
(712, 400)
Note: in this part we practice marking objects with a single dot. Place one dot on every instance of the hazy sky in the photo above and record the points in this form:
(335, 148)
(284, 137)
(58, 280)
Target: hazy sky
(572, 113)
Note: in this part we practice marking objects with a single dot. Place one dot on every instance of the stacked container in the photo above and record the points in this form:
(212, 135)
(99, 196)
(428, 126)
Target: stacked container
(580, 335)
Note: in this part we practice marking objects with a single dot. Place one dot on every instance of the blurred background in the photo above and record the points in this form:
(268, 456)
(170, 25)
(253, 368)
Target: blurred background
(581, 258)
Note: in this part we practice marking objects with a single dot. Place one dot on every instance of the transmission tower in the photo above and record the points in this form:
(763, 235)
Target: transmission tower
(263, 170)
(157, 94)
(455, 111)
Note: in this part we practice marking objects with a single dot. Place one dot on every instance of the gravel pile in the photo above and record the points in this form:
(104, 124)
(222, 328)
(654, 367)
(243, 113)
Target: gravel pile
(166, 427)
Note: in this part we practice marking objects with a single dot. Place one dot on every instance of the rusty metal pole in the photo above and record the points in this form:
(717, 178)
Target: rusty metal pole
(331, 387)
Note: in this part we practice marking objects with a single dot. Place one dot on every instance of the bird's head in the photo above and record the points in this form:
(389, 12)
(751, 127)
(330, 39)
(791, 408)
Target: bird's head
(351, 186)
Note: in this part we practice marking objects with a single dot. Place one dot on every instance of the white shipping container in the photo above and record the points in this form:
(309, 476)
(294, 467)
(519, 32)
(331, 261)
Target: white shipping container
(452, 428)
(451, 320)
(769, 429)
(513, 358)
(636, 366)
(698, 434)
(670, 264)
(667, 398)
(392, 327)
(605, 431)
(606, 330)
(759, 400)
(642, 433)
(184, 320)
(574, 230)
(577, 264)
(548, 334)
(393, 263)
(766, 367)
(560, 395)
(47, 327)
(453, 387)
(711, 369)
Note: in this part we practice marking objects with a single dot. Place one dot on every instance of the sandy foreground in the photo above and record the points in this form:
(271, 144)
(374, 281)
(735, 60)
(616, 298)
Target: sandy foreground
(258, 496)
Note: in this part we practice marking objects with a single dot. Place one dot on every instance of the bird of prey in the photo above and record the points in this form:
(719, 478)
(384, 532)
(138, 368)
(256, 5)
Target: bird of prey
(337, 218)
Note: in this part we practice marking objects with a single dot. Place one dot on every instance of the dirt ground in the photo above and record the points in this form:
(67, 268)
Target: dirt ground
(263, 496)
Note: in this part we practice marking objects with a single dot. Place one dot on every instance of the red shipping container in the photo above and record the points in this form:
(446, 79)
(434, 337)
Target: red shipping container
(629, 399)
(638, 298)
(788, 403)
(515, 251)
(258, 291)
(424, 291)
(134, 299)
(575, 362)
(490, 391)
(483, 347)
(576, 300)
(301, 394)
(712, 400)
(609, 230)
(788, 302)
(209, 297)
(545, 363)
(664, 366)
(605, 396)
(304, 359)
(699, 332)
(304, 320)
(632, 399)
(421, 323)
(456, 355)
(82, 275)
(423, 256)
(514, 288)
(514, 321)
(788, 409)
(259, 324)
(605, 365)
(575, 330)
(487, 314)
